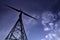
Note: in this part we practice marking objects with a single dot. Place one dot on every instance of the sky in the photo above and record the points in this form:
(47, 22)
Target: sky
(46, 11)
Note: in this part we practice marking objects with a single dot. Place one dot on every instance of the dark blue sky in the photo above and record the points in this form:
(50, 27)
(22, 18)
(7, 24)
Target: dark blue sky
(34, 29)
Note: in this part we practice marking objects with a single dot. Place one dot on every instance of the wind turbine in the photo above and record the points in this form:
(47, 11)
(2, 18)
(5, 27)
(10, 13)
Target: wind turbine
(18, 31)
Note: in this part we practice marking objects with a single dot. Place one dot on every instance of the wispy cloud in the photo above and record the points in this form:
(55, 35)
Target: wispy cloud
(30, 23)
(53, 28)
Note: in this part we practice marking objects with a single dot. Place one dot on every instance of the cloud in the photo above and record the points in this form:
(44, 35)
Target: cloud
(46, 29)
(47, 20)
(47, 17)
(49, 25)
(52, 36)
(31, 21)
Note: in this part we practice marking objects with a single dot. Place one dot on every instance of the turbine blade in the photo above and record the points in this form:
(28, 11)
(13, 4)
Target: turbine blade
(13, 8)
(29, 16)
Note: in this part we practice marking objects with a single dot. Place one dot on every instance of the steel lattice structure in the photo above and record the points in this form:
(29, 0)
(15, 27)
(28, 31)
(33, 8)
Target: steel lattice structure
(18, 32)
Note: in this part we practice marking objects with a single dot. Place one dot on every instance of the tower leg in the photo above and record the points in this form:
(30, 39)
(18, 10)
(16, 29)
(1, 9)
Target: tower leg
(17, 32)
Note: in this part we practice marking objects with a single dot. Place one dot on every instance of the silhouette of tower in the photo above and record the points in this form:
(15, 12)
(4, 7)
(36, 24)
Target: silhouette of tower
(18, 32)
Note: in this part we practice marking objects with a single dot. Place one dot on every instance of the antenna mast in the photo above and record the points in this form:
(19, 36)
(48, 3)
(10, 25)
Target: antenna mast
(18, 31)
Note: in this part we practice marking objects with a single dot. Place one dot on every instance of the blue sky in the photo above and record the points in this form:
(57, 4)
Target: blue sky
(44, 10)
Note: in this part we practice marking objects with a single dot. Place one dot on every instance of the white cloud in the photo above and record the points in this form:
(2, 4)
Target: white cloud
(47, 20)
(53, 28)
(31, 21)
(53, 35)
(46, 29)
(43, 39)
(47, 17)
